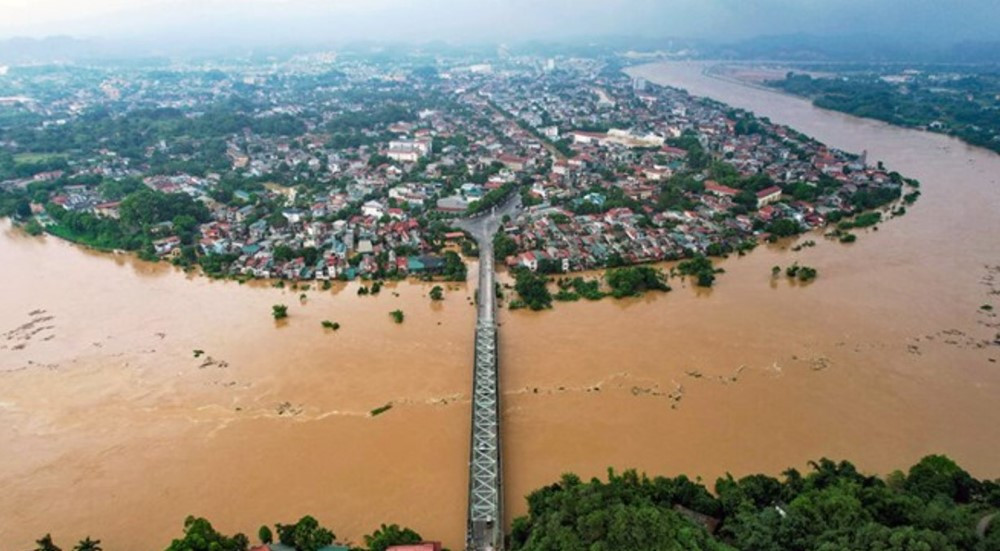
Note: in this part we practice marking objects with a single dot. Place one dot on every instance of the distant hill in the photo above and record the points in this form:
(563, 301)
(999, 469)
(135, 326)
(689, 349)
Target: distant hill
(975, 52)
(789, 47)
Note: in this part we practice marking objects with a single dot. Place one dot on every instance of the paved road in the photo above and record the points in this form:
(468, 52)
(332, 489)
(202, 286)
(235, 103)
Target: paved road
(482, 228)
(484, 225)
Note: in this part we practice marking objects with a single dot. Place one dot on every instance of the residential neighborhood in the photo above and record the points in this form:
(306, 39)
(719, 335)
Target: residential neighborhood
(343, 169)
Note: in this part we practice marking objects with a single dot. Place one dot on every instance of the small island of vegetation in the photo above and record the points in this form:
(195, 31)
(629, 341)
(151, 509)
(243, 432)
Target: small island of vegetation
(701, 268)
(803, 273)
(437, 293)
(629, 281)
(279, 311)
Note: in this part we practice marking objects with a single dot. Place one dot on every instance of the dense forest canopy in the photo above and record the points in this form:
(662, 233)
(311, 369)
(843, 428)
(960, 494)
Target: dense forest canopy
(966, 107)
(936, 506)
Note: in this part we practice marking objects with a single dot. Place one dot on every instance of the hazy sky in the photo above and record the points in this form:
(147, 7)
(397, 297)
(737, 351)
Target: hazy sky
(269, 21)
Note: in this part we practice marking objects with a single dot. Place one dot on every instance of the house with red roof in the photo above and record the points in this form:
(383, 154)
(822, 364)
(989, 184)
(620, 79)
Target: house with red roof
(715, 188)
(768, 195)
(674, 152)
(513, 162)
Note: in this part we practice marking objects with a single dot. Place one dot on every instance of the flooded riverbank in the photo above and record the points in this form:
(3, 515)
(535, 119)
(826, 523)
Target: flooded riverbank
(115, 429)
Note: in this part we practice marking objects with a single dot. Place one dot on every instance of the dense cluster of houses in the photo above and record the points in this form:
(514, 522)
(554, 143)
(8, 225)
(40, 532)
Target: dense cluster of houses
(593, 153)
(624, 150)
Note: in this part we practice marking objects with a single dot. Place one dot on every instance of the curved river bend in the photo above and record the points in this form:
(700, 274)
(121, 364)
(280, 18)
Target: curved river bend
(113, 428)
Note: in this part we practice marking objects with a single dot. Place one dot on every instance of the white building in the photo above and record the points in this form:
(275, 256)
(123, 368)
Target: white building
(373, 209)
(409, 151)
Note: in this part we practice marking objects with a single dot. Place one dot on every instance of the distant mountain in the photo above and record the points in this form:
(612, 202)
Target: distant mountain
(975, 52)
(861, 48)
(857, 48)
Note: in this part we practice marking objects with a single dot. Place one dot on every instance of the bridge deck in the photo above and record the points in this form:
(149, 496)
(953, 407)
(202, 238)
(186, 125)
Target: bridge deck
(485, 528)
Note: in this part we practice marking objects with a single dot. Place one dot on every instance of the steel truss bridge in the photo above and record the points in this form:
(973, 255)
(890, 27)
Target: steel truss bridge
(485, 530)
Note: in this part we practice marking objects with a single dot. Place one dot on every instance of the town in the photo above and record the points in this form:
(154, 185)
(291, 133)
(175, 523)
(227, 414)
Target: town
(324, 167)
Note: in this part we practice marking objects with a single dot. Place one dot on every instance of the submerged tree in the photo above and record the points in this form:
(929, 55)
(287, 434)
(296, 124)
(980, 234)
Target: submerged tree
(532, 289)
(88, 544)
(46, 544)
(279, 311)
(437, 293)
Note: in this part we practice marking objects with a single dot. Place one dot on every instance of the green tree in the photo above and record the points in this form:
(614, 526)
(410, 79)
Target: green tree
(503, 246)
(200, 536)
(437, 293)
(34, 228)
(454, 268)
(88, 544)
(626, 512)
(46, 544)
(387, 536)
(305, 535)
(23, 208)
(147, 207)
(265, 534)
(532, 289)
(939, 476)
(832, 508)
(635, 280)
(784, 227)
(279, 311)
(701, 268)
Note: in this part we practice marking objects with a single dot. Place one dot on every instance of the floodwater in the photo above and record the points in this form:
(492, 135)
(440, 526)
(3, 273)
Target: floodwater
(113, 428)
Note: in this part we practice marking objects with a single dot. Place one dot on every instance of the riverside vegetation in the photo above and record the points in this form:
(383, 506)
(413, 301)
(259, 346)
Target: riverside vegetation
(630, 281)
(960, 101)
(934, 506)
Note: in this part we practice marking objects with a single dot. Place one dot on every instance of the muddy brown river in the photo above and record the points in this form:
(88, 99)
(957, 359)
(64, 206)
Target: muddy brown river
(113, 428)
